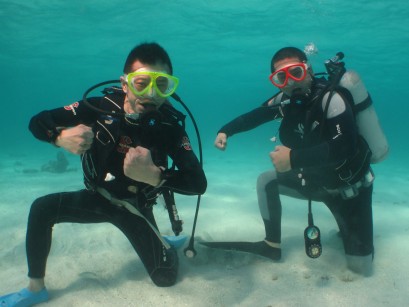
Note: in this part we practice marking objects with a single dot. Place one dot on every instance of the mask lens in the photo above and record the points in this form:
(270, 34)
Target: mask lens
(142, 83)
(279, 77)
(296, 72)
(165, 85)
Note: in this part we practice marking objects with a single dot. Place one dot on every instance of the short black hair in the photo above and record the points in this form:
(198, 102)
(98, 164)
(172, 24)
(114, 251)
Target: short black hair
(147, 53)
(288, 52)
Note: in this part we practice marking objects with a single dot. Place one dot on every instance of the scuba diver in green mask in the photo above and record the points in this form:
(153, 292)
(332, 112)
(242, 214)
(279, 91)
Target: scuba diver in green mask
(124, 139)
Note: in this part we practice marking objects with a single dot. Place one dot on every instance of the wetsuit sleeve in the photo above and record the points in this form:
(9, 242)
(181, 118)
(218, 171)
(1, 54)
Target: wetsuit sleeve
(250, 120)
(340, 139)
(47, 125)
(188, 177)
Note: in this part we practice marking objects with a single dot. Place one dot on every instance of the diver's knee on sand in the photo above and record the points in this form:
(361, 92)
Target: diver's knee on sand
(165, 275)
(360, 264)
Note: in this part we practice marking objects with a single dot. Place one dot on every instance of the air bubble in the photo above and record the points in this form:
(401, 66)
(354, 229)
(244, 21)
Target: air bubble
(310, 49)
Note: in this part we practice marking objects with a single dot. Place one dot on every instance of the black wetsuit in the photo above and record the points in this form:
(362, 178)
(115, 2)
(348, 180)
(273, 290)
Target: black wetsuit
(319, 145)
(163, 136)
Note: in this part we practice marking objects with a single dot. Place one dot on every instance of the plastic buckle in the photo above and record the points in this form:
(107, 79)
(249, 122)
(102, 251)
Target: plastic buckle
(368, 178)
(349, 192)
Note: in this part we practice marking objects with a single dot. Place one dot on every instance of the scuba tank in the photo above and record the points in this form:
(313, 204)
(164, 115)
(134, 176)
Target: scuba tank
(366, 117)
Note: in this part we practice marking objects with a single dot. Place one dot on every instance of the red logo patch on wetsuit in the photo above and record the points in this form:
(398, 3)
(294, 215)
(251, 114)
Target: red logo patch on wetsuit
(72, 107)
(124, 144)
(186, 143)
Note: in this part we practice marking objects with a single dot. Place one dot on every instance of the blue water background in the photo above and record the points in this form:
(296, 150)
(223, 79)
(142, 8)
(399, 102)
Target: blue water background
(52, 51)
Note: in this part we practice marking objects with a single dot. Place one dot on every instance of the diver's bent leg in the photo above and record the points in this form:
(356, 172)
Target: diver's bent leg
(270, 186)
(78, 207)
(270, 205)
(360, 249)
(166, 271)
(161, 264)
(354, 219)
(38, 237)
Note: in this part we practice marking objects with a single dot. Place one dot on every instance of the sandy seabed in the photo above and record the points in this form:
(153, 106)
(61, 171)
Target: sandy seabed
(94, 264)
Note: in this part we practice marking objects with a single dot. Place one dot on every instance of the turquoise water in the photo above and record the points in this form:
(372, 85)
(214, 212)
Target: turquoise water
(52, 51)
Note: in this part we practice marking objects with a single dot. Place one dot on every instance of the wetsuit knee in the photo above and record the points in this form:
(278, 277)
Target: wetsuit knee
(41, 210)
(165, 274)
(265, 178)
(267, 185)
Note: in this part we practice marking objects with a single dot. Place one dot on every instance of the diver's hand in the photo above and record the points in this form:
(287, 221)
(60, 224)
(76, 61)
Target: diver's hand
(221, 141)
(76, 140)
(138, 165)
(281, 158)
